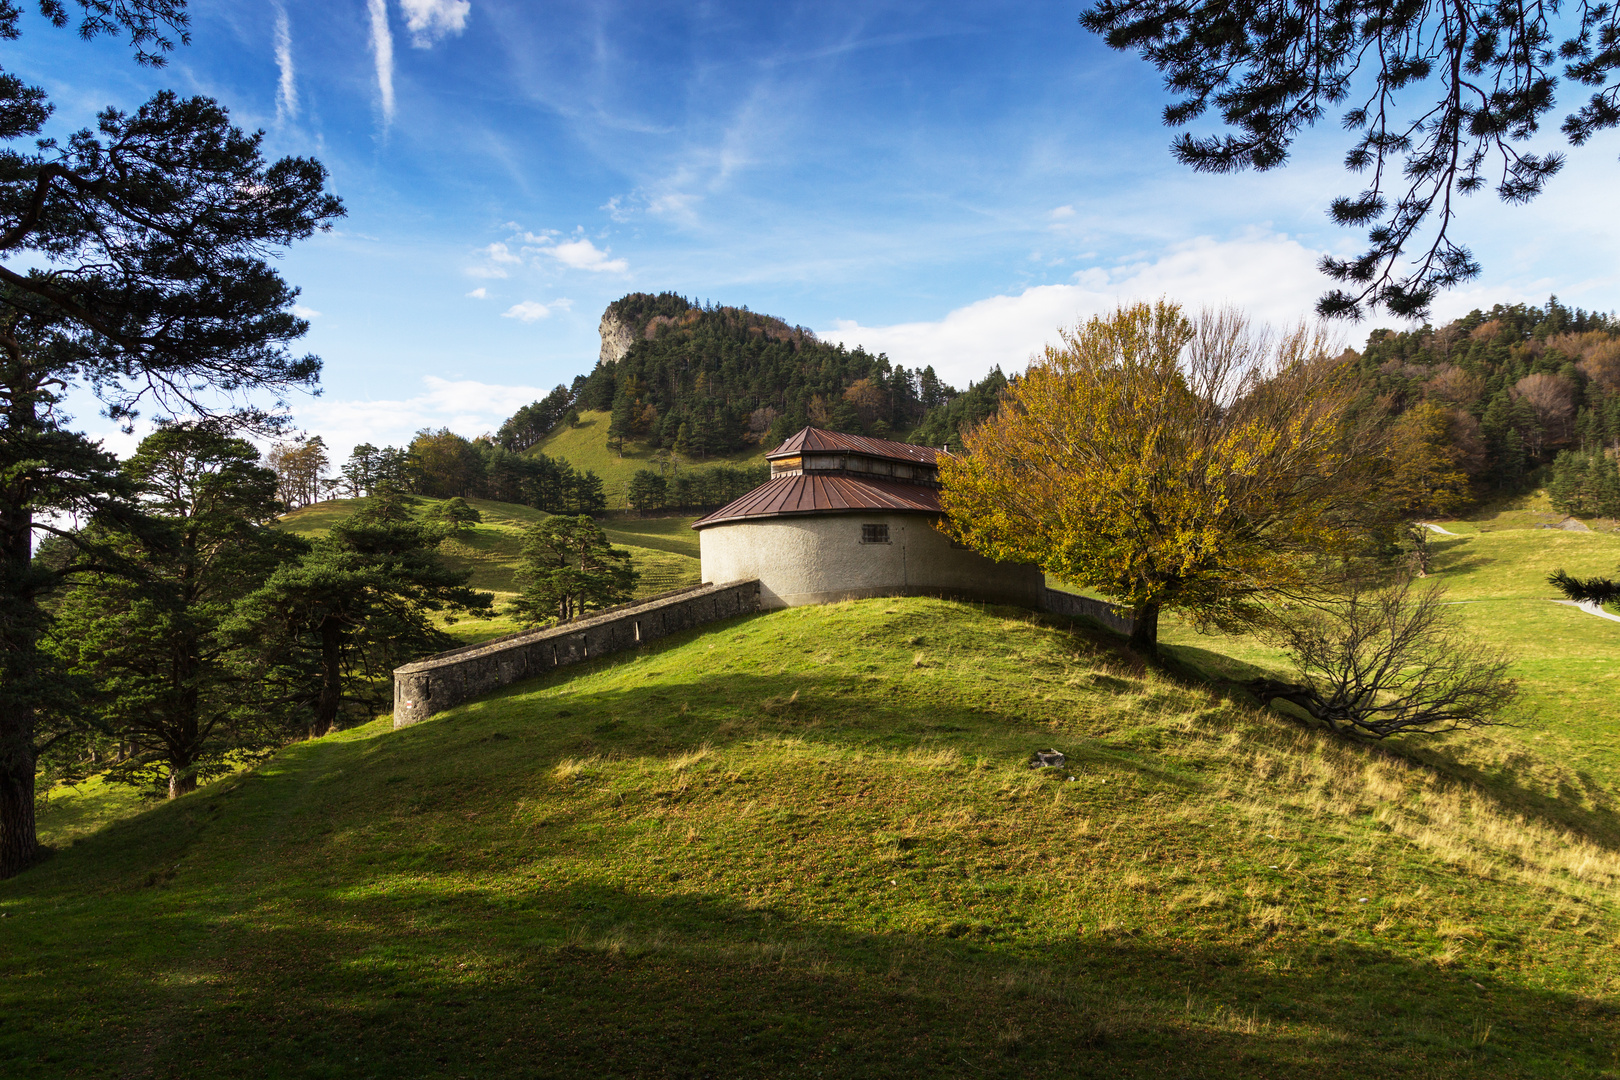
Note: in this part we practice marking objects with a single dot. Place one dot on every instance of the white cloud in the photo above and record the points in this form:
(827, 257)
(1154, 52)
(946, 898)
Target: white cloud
(485, 272)
(479, 293)
(1273, 277)
(305, 312)
(1062, 212)
(527, 311)
(286, 87)
(501, 253)
(466, 407)
(581, 254)
(430, 20)
(382, 51)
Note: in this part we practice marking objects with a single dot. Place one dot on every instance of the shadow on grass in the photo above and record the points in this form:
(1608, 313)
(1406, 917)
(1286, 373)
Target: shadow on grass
(224, 931)
(296, 979)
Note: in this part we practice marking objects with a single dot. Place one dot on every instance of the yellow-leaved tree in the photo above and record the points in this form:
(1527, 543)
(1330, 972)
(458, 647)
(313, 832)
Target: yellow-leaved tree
(1196, 464)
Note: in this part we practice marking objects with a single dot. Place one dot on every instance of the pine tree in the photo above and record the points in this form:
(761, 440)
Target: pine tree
(325, 628)
(170, 687)
(569, 566)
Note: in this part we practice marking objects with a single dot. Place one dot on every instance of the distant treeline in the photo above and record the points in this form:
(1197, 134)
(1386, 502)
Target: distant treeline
(439, 464)
(694, 489)
(1490, 397)
(443, 465)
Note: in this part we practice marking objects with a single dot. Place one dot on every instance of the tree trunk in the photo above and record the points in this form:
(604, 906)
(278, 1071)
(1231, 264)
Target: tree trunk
(326, 710)
(19, 656)
(1145, 631)
(182, 780)
(19, 844)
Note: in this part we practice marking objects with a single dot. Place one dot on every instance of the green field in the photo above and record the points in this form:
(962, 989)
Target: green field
(1568, 661)
(586, 447)
(807, 842)
(663, 550)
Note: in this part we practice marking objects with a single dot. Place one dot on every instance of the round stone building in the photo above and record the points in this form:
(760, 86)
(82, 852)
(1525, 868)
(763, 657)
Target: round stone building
(844, 517)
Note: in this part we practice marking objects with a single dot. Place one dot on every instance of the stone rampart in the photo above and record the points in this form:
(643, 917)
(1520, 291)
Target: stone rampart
(440, 682)
(1098, 611)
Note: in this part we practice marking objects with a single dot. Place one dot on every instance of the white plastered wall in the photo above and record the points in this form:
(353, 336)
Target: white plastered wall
(820, 559)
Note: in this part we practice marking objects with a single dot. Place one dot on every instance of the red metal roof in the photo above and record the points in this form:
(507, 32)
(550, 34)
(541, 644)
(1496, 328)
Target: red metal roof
(826, 493)
(813, 440)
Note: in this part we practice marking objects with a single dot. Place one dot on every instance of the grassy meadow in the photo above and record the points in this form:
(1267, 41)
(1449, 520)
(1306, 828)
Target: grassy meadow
(586, 447)
(1568, 662)
(807, 842)
(664, 550)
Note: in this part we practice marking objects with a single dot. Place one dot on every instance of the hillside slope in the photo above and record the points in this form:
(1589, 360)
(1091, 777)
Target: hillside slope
(807, 842)
(493, 549)
(1568, 662)
(586, 448)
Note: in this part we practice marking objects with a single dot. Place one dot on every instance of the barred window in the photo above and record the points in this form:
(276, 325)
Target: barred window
(874, 534)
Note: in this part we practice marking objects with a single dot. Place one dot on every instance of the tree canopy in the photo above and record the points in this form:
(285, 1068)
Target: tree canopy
(135, 260)
(1166, 462)
(569, 566)
(1445, 99)
(362, 601)
(168, 687)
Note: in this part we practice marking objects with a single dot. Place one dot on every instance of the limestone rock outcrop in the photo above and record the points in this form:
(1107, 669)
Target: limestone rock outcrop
(617, 337)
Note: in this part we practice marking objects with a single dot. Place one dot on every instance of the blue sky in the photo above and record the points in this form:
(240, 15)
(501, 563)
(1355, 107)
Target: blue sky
(947, 183)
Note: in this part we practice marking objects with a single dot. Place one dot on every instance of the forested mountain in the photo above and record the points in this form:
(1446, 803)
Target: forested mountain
(701, 380)
(1473, 406)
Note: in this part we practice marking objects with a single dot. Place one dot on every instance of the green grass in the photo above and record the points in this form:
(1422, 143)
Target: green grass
(671, 534)
(586, 448)
(663, 550)
(1568, 662)
(806, 843)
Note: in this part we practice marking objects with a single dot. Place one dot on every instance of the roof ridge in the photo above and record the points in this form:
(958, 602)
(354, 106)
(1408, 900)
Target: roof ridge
(805, 494)
(811, 438)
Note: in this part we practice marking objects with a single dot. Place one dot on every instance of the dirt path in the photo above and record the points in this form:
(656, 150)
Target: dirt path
(1590, 608)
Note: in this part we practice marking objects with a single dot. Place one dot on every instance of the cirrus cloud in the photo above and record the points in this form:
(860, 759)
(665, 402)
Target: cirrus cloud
(430, 20)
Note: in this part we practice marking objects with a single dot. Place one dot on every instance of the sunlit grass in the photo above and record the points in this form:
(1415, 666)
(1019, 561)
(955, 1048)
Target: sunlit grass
(783, 845)
(586, 448)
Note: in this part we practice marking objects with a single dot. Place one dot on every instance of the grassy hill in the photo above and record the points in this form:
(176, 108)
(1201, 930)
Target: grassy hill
(1568, 661)
(664, 550)
(586, 447)
(807, 843)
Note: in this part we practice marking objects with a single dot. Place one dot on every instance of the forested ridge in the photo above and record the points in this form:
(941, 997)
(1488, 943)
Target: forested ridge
(1478, 404)
(706, 380)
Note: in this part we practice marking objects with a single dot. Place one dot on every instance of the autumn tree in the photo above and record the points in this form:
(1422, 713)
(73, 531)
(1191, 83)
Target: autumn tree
(444, 465)
(299, 466)
(1168, 462)
(1425, 479)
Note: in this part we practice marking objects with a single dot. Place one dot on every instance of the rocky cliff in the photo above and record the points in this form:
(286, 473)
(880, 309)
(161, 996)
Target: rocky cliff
(617, 337)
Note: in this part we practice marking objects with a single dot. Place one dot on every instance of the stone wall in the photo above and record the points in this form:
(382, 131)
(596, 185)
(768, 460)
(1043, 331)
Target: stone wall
(440, 682)
(1098, 611)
